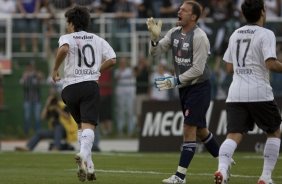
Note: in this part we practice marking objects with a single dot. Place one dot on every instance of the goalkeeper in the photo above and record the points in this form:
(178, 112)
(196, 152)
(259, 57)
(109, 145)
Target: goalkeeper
(190, 50)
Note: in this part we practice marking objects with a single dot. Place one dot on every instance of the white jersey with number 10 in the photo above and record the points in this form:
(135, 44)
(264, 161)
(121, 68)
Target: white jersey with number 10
(87, 51)
(249, 47)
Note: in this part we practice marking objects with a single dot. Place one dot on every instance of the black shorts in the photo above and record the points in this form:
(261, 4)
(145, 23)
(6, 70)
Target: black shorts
(242, 116)
(82, 100)
(195, 101)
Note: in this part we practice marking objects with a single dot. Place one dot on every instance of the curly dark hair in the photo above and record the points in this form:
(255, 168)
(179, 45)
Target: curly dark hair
(79, 16)
(251, 10)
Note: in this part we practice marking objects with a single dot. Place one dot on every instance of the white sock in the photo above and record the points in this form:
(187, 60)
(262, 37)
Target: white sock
(226, 152)
(79, 132)
(87, 139)
(271, 153)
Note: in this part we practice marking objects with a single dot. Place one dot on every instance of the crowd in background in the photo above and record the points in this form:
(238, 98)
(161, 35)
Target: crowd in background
(128, 82)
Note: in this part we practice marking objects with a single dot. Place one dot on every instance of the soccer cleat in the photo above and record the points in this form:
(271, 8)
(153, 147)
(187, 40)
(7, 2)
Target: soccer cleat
(229, 169)
(91, 174)
(174, 180)
(82, 169)
(265, 181)
(220, 178)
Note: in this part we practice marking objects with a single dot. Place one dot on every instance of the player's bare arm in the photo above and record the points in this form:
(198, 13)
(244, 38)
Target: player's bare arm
(229, 68)
(61, 55)
(108, 64)
(274, 65)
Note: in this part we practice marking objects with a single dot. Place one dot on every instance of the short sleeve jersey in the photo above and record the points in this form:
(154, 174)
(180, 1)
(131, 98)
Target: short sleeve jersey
(87, 52)
(249, 47)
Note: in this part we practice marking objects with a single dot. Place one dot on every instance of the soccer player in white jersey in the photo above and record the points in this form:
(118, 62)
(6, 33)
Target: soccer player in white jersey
(250, 55)
(85, 55)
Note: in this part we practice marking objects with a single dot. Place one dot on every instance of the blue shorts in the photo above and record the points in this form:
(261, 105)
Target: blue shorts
(195, 100)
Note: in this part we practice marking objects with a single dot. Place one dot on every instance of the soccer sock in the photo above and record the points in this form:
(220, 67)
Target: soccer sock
(79, 138)
(226, 152)
(87, 139)
(187, 153)
(271, 153)
(211, 145)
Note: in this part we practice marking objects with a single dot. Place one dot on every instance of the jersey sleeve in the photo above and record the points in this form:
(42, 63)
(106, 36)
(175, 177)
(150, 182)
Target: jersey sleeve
(163, 45)
(64, 40)
(227, 57)
(107, 51)
(269, 45)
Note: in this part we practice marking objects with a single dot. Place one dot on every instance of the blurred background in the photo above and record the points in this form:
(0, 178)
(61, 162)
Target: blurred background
(29, 33)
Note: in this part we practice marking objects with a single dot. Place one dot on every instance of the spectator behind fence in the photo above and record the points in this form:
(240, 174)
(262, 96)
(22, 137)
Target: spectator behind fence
(124, 10)
(107, 6)
(124, 96)
(1, 89)
(59, 6)
(27, 25)
(31, 81)
(61, 126)
(155, 93)
(142, 72)
(90, 4)
(8, 8)
(169, 8)
(106, 102)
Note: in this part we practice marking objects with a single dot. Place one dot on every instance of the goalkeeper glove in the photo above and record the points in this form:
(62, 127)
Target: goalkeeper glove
(154, 29)
(167, 82)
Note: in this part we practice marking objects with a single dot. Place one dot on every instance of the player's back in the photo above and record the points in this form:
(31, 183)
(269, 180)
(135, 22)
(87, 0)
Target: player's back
(248, 49)
(86, 53)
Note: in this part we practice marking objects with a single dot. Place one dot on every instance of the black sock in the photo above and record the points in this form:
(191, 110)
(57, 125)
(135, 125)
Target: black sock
(187, 153)
(211, 145)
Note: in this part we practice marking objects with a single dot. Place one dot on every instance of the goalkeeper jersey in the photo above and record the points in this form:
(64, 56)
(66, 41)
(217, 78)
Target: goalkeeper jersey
(87, 52)
(248, 49)
(190, 52)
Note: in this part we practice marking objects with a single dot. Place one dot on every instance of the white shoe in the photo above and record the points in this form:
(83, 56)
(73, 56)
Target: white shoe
(82, 168)
(263, 180)
(91, 174)
(220, 177)
(233, 161)
(174, 180)
(229, 169)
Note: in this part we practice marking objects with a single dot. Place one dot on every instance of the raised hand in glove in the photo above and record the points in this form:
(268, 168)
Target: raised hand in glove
(154, 28)
(166, 82)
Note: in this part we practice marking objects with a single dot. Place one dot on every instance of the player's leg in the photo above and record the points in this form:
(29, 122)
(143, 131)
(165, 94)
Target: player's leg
(238, 123)
(85, 154)
(271, 153)
(226, 152)
(268, 118)
(81, 99)
(194, 117)
(209, 141)
(187, 153)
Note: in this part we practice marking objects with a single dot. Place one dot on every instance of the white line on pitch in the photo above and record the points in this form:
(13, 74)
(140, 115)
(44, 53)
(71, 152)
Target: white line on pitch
(163, 173)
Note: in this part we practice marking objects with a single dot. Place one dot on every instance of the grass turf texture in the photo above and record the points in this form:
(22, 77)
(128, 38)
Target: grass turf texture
(125, 168)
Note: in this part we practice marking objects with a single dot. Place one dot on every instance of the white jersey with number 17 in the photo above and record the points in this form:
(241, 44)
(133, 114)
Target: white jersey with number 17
(87, 51)
(249, 47)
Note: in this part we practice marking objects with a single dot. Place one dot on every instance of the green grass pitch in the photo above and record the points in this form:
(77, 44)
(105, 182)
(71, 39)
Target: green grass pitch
(125, 168)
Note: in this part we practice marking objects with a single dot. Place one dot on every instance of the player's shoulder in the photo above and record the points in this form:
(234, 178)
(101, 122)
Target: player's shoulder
(174, 30)
(253, 29)
(200, 32)
(263, 31)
